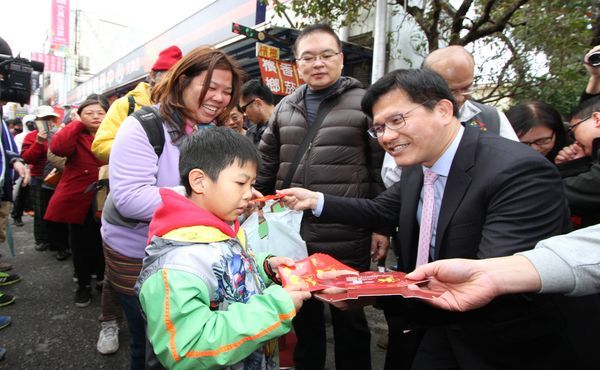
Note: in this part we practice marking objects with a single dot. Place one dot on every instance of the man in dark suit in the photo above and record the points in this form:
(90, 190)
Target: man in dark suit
(483, 196)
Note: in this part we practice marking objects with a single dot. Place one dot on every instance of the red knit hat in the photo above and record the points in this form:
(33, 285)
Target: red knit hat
(167, 58)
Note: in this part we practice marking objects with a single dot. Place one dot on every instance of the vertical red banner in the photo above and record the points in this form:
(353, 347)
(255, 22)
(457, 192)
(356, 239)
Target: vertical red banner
(60, 23)
(280, 77)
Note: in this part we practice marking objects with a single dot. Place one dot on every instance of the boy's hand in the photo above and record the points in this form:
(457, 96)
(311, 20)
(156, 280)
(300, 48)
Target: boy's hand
(298, 296)
(299, 199)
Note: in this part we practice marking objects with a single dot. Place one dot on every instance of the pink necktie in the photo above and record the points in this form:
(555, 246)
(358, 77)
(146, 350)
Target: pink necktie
(427, 213)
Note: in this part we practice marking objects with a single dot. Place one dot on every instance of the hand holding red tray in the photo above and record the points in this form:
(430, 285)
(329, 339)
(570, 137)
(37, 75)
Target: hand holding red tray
(268, 197)
(321, 271)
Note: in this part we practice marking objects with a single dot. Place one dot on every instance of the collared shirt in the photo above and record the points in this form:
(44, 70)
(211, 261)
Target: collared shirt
(442, 168)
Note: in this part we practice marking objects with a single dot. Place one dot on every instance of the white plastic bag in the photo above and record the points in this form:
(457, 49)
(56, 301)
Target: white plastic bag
(275, 230)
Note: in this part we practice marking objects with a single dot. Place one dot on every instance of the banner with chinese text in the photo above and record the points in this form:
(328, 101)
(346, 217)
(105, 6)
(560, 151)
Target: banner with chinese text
(59, 24)
(52, 63)
(280, 77)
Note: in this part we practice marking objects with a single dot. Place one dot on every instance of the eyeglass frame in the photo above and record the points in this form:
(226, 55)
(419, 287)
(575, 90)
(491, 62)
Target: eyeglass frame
(547, 140)
(464, 91)
(373, 134)
(320, 56)
(572, 127)
(245, 106)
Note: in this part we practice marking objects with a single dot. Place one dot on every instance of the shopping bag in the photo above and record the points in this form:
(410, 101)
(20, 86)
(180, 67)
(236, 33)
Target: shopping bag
(275, 229)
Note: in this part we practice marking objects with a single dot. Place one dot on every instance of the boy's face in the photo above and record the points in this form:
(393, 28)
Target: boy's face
(228, 197)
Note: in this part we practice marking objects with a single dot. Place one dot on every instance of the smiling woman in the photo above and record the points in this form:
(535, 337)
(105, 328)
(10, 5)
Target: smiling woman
(196, 94)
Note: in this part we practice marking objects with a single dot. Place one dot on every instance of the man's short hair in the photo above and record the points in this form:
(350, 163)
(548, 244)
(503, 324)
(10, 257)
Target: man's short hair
(319, 27)
(422, 86)
(253, 89)
(586, 108)
(212, 150)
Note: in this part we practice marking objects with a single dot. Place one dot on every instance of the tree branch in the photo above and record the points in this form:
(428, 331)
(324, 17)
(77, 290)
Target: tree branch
(459, 17)
(478, 31)
(434, 26)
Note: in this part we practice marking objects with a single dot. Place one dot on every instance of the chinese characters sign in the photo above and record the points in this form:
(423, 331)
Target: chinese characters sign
(60, 24)
(266, 51)
(280, 77)
(52, 63)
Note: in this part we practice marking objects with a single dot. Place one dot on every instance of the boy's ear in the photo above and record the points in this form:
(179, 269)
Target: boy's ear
(196, 178)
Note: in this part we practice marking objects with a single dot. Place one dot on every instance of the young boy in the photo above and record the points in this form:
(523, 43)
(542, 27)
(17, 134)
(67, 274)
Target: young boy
(203, 293)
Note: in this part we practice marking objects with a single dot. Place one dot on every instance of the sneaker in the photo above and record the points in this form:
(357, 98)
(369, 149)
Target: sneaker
(4, 321)
(6, 299)
(18, 222)
(5, 266)
(83, 297)
(108, 340)
(40, 247)
(8, 279)
(62, 255)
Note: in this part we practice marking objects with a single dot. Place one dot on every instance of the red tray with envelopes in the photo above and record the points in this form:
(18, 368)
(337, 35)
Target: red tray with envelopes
(312, 272)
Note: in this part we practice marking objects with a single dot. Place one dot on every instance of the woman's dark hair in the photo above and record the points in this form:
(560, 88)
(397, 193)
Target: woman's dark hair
(91, 100)
(422, 86)
(525, 116)
(169, 92)
(212, 150)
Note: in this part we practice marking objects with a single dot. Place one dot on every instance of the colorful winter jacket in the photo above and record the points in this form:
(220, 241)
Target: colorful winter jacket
(204, 295)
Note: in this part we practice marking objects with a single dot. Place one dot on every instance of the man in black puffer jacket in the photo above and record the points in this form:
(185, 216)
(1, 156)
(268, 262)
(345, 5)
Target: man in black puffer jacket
(339, 159)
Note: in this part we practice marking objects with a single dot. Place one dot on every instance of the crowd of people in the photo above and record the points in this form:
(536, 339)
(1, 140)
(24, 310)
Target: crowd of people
(145, 196)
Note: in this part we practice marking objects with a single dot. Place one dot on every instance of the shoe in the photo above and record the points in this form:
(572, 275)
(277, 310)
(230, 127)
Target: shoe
(2, 353)
(108, 340)
(6, 299)
(8, 279)
(18, 222)
(4, 321)
(62, 255)
(40, 247)
(83, 297)
(5, 266)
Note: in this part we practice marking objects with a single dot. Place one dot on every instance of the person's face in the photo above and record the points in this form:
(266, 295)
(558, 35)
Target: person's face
(217, 97)
(540, 138)
(17, 129)
(235, 120)
(156, 77)
(252, 109)
(422, 139)
(586, 131)
(326, 69)
(228, 197)
(92, 116)
(460, 82)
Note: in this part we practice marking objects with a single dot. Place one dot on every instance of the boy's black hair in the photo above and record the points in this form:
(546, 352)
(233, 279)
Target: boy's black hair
(253, 89)
(212, 150)
(586, 108)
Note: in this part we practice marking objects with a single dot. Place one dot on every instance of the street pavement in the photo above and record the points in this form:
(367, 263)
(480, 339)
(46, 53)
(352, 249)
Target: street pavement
(48, 332)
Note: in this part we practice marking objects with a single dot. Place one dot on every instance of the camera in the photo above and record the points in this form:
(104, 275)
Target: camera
(594, 59)
(15, 78)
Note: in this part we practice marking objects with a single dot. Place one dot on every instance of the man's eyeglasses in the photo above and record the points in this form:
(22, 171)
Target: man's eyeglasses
(469, 90)
(245, 106)
(572, 127)
(394, 123)
(325, 57)
(539, 142)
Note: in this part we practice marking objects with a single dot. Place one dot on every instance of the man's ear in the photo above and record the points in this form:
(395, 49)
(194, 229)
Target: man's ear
(196, 178)
(445, 109)
(596, 118)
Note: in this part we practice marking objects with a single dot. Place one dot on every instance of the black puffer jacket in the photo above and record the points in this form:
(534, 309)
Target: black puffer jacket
(342, 160)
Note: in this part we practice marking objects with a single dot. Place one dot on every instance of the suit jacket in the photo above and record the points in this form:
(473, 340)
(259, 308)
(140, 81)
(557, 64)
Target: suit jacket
(501, 197)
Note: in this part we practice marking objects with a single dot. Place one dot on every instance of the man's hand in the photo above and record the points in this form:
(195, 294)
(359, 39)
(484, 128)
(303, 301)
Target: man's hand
(470, 284)
(23, 172)
(299, 199)
(569, 153)
(379, 246)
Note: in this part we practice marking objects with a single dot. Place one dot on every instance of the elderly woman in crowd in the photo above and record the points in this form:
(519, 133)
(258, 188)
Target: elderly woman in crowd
(72, 202)
(195, 94)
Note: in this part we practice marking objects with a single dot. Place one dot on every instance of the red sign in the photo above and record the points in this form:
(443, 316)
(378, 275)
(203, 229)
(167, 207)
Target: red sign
(280, 77)
(59, 24)
(52, 63)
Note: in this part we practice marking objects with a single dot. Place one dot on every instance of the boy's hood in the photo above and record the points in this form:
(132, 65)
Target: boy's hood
(178, 212)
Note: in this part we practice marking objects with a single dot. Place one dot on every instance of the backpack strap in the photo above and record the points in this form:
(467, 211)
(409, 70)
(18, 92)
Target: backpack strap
(152, 123)
(131, 101)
